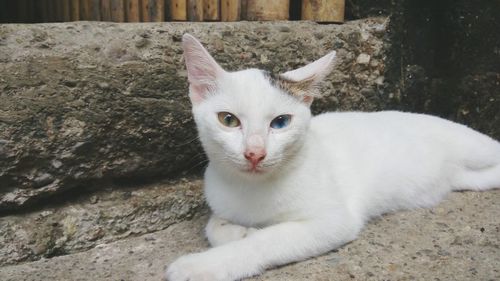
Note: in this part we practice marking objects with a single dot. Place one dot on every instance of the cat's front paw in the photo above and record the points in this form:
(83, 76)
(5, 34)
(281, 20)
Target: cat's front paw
(220, 231)
(195, 267)
(217, 264)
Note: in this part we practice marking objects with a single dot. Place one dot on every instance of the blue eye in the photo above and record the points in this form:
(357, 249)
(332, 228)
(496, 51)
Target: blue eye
(281, 121)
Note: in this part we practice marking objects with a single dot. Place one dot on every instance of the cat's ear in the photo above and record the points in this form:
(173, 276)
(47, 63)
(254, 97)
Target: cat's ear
(203, 71)
(303, 82)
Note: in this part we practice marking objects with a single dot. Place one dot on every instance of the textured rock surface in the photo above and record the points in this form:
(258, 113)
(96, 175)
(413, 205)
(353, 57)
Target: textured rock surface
(456, 241)
(444, 57)
(89, 220)
(87, 103)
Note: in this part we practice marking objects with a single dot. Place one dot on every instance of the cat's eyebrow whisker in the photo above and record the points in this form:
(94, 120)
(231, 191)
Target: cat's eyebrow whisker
(197, 165)
(197, 155)
(187, 142)
(232, 161)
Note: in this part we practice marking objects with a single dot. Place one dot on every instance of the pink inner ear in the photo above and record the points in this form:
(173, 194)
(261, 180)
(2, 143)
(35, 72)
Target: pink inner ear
(203, 71)
(201, 82)
(197, 93)
(200, 66)
(201, 74)
(307, 99)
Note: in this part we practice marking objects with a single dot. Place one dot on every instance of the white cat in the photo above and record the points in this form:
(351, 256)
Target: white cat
(284, 186)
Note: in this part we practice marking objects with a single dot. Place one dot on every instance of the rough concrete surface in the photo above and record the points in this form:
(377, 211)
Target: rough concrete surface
(84, 103)
(113, 213)
(456, 240)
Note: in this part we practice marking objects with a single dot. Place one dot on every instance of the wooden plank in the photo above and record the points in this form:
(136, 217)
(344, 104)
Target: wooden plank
(323, 10)
(21, 11)
(133, 10)
(105, 10)
(84, 9)
(230, 10)
(95, 10)
(145, 6)
(31, 11)
(75, 10)
(66, 11)
(268, 10)
(178, 10)
(117, 10)
(58, 10)
(158, 14)
(195, 10)
(12, 12)
(90, 10)
(211, 10)
(41, 6)
(243, 9)
(153, 10)
(4, 12)
(50, 10)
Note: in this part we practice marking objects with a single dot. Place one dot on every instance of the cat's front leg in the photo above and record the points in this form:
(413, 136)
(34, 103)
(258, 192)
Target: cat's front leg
(272, 246)
(220, 231)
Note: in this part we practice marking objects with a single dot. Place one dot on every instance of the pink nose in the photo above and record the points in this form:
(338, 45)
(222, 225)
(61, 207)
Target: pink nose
(255, 155)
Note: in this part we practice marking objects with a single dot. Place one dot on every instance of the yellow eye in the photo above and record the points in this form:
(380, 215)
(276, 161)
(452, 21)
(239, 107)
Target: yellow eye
(228, 119)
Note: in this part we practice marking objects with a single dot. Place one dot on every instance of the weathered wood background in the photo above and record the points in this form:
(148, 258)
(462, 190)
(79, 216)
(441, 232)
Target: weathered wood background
(31, 11)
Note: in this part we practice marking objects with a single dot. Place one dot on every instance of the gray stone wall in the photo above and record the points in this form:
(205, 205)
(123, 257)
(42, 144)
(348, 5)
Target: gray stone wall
(89, 111)
(88, 103)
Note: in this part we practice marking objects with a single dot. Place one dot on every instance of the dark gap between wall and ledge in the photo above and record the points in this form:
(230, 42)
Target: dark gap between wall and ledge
(444, 58)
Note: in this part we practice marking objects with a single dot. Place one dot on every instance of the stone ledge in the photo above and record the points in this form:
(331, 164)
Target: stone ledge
(457, 240)
(88, 220)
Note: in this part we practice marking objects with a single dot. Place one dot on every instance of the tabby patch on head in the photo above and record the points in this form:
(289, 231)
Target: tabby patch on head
(303, 89)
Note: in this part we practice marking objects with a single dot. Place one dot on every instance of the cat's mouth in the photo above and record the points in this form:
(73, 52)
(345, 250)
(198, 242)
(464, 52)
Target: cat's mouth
(251, 169)
(264, 167)
(255, 170)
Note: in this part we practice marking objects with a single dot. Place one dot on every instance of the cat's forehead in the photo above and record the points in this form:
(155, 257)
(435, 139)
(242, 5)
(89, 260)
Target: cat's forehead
(250, 79)
(253, 88)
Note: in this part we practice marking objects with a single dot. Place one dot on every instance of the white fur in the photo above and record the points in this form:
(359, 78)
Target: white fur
(316, 70)
(322, 178)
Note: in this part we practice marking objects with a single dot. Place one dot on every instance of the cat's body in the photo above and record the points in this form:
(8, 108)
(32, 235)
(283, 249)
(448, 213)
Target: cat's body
(362, 162)
(285, 186)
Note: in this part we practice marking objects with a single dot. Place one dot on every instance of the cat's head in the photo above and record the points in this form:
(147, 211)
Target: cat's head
(250, 122)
